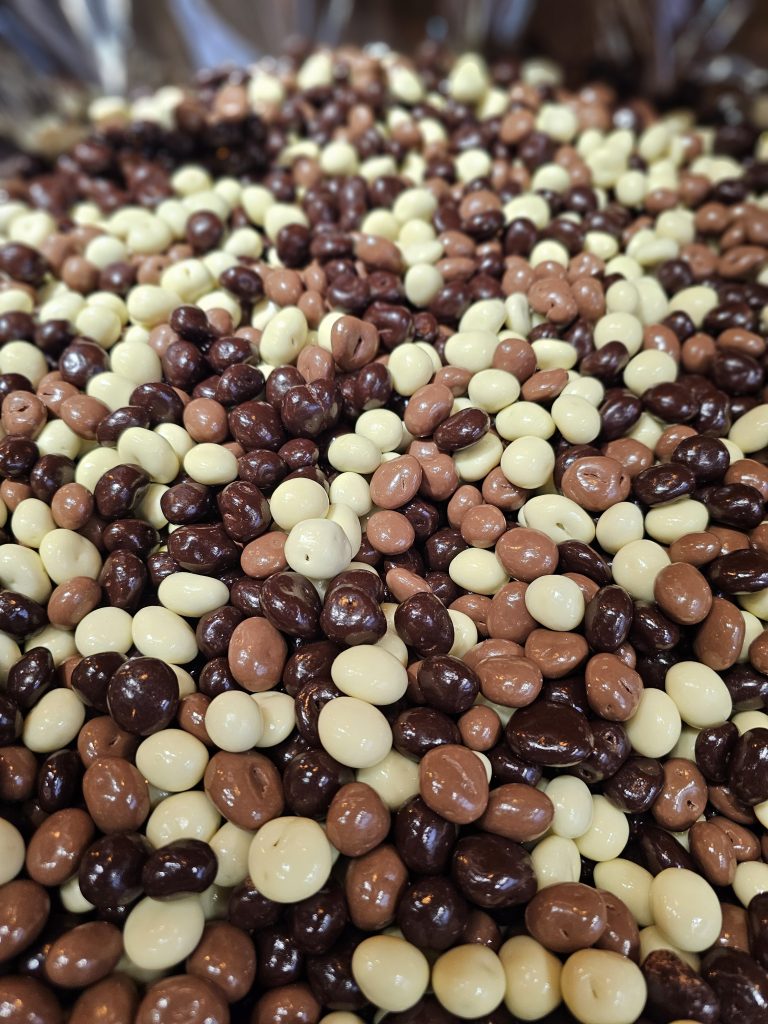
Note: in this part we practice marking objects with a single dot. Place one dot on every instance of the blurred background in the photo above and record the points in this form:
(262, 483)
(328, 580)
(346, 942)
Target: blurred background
(57, 53)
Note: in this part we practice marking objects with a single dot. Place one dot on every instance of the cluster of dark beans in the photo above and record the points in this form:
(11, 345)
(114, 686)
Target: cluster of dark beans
(384, 569)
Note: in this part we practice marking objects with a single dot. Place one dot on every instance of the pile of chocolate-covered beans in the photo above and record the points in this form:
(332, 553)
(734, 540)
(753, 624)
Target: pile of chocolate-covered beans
(384, 567)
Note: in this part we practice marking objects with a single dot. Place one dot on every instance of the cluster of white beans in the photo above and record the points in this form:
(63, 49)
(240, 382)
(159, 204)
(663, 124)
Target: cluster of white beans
(290, 857)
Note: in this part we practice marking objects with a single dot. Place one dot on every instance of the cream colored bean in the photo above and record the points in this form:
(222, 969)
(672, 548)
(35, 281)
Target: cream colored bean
(391, 973)
(655, 727)
(65, 554)
(745, 720)
(696, 301)
(552, 354)
(149, 508)
(111, 389)
(392, 643)
(477, 460)
(528, 462)
(370, 674)
(668, 523)
(465, 634)
(630, 882)
(296, 500)
(56, 438)
(607, 834)
(422, 282)
(31, 521)
(289, 859)
(471, 350)
(99, 323)
(231, 845)
(136, 362)
(284, 336)
(478, 570)
(95, 464)
(14, 300)
(150, 451)
(572, 802)
(9, 655)
(22, 571)
(701, 696)
(686, 744)
(493, 390)
(349, 489)
(72, 899)
(211, 464)
(354, 732)
(159, 933)
(395, 778)
(686, 908)
(602, 987)
(588, 388)
(382, 427)
(343, 516)
(278, 716)
(469, 980)
(636, 566)
(618, 326)
(192, 595)
(160, 633)
(558, 517)
(104, 629)
(189, 279)
(149, 304)
(576, 419)
(619, 525)
(318, 548)
(54, 721)
(172, 759)
(410, 368)
(60, 643)
(12, 851)
(354, 453)
(23, 357)
(532, 978)
(556, 859)
(524, 419)
(556, 602)
(182, 816)
(233, 721)
(750, 431)
(751, 878)
(652, 938)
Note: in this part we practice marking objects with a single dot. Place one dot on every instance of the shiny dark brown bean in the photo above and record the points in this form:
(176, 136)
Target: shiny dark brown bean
(424, 839)
(635, 786)
(182, 866)
(748, 766)
(461, 430)
(352, 616)
(608, 618)
(448, 684)
(611, 748)
(550, 734)
(291, 604)
(422, 622)
(740, 984)
(739, 572)
(663, 483)
(417, 730)
(713, 749)
(676, 991)
(493, 872)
